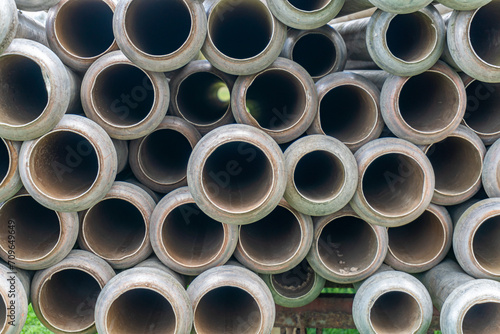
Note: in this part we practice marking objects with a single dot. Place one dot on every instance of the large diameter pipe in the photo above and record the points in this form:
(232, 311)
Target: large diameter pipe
(159, 160)
(348, 109)
(211, 108)
(421, 244)
(282, 100)
(321, 175)
(186, 239)
(64, 295)
(70, 168)
(231, 300)
(160, 36)
(236, 174)
(305, 14)
(38, 90)
(384, 38)
(35, 5)
(391, 6)
(491, 170)
(117, 227)
(296, 287)
(396, 182)
(73, 39)
(392, 302)
(458, 164)
(10, 181)
(243, 36)
(125, 100)
(42, 237)
(347, 249)
(276, 243)
(464, 4)
(14, 298)
(154, 262)
(143, 300)
(466, 305)
(472, 43)
(320, 51)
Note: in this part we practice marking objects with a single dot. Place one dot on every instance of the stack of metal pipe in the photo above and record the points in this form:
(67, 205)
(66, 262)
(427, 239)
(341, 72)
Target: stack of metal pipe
(183, 166)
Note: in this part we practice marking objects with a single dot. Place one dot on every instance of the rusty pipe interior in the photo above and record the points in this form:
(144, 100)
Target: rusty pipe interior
(240, 30)
(276, 99)
(395, 312)
(153, 313)
(348, 113)
(77, 35)
(237, 176)
(123, 95)
(309, 5)
(67, 300)
(393, 184)
(316, 53)
(211, 102)
(483, 102)
(65, 164)
(24, 96)
(190, 237)
(485, 246)
(5, 160)
(272, 240)
(229, 310)
(484, 33)
(296, 282)
(114, 229)
(150, 25)
(482, 318)
(37, 228)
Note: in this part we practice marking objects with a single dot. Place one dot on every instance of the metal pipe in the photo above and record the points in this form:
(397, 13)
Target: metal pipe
(43, 237)
(13, 306)
(236, 174)
(491, 170)
(401, 44)
(458, 164)
(163, 167)
(391, 6)
(76, 42)
(154, 262)
(64, 295)
(186, 239)
(160, 36)
(320, 51)
(243, 36)
(212, 88)
(121, 147)
(10, 181)
(396, 182)
(155, 298)
(346, 249)
(296, 287)
(305, 14)
(281, 100)
(232, 300)
(425, 108)
(154, 195)
(29, 28)
(464, 4)
(35, 5)
(421, 244)
(472, 37)
(466, 305)
(70, 168)
(125, 100)
(276, 243)
(348, 109)
(38, 90)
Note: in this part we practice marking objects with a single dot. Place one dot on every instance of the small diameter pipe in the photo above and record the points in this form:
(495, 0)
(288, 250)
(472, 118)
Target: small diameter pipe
(14, 298)
(491, 170)
(10, 181)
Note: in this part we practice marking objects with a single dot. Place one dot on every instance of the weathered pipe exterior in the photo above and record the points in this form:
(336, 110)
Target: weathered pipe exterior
(491, 170)
(243, 37)
(209, 110)
(392, 302)
(467, 305)
(142, 298)
(64, 295)
(305, 15)
(320, 51)
(421, 244)
(12, 320)
(464, 4)
(42, 237)
(282, 100)
(121, 147)
(391, 6)
(249, 306)
(125, 100)
(10, 180)
(345, 248)
(357, 95)
(236, 174)
(186, 239)
(383, 39)
(44, 90)
(70, 168)
(35, 5)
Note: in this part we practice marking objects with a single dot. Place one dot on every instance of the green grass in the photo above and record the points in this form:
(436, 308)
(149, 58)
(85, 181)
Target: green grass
(33, 326)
